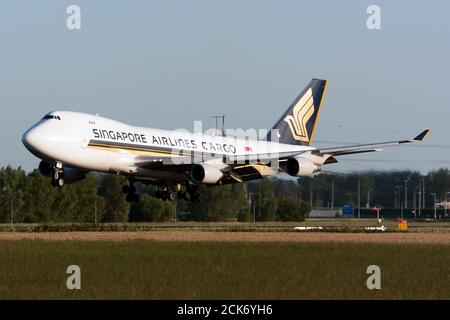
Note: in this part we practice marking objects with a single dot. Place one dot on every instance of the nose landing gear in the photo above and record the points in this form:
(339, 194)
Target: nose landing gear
(57, 177)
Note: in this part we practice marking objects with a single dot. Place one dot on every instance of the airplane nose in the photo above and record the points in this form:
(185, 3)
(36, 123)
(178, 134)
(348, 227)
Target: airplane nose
(34, 140)
(29, 138)
(39, 141)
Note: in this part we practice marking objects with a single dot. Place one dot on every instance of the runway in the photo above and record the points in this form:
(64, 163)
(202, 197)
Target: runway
(313, 237)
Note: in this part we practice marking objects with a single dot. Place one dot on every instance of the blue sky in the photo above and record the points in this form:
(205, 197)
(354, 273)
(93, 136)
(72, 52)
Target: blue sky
(168, 63)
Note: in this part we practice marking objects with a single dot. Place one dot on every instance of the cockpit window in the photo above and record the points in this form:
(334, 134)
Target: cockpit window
(49, 116)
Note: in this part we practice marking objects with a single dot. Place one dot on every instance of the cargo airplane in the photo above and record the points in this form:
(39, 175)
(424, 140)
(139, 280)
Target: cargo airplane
(71, 144)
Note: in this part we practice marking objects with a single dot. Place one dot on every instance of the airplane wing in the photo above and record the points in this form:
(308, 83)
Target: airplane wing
(248, 167)
(183, 163)
(361, 148)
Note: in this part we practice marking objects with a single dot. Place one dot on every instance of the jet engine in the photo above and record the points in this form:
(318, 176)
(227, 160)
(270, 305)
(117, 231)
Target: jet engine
(300, 166)
(206, 173)
(73, 175)
(45, 168)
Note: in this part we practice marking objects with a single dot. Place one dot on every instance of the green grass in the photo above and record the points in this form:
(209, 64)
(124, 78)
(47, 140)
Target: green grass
(216, 270)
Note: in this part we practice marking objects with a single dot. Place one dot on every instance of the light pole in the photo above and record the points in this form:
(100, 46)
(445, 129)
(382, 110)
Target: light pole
(397, 202)
(254, 208)
(406, 193)
(423, 193)
(12, 210)
(217, 124)
(359, 198)
(332, 192)
(420, 198)
(95, 210)
(395, 198)
(401, 210)
(434, 194)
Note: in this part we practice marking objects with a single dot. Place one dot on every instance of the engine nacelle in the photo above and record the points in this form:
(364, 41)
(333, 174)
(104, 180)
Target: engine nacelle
(206, 173)
(45, 168)
(73, 175)
(300, 167)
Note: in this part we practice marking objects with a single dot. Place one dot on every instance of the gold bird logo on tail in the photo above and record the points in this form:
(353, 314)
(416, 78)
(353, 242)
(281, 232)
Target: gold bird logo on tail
(303, 111)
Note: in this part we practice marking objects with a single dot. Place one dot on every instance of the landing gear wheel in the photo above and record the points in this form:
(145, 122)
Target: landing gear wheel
(186, 196)
(60, 182)
(128, 198)
(132, 197)
(172, 196)
(196, 197)
(130, 191)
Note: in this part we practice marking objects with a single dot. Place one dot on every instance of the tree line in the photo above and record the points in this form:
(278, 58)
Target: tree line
(387, 189)
(29, 197)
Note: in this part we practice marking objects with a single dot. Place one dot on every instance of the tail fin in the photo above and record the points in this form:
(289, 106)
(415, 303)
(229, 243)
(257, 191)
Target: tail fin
(297, 124)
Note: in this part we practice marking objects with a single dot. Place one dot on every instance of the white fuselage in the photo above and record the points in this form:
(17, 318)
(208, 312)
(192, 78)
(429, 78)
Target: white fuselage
(95, 143)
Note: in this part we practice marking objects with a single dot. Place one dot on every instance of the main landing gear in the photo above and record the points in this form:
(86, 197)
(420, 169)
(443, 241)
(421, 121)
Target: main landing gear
(165, 195)
(130, 191)
(191, 194)
(169, 192)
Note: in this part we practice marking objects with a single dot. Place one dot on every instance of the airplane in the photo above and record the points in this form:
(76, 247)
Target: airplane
(71, 144)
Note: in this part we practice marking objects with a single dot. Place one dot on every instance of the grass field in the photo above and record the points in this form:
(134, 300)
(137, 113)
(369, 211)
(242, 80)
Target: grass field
(222, 270)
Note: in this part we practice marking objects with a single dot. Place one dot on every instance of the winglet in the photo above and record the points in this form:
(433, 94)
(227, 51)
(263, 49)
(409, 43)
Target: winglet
(422, 135)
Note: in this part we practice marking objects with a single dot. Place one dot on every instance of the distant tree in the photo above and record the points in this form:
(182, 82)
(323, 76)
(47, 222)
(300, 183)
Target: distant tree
(290, 210)
(215, 205)
(286, 188)
(86, 195)
(439, 182)
(219, 203)
(265, 201)
(11, 193)
(245, 216)
(64, 207)
(240, 202)
(151, 209)
(39, 197)
(101, 209)
(116, 207)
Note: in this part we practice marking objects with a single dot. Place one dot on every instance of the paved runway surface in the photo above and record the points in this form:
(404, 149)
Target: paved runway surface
(416, 237)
